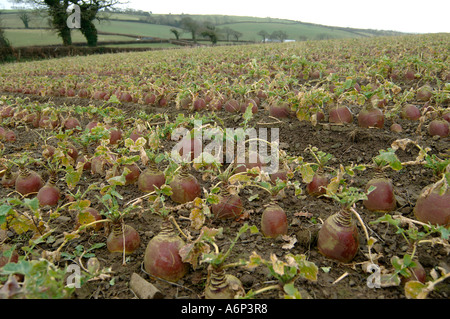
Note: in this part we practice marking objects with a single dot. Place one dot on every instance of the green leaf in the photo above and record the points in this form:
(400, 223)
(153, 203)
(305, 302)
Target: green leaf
(248, 113)
(22, 267)
(113, 99)
(291, 291)
(96, 246)
(4, 211)
(388, 158)
(32, 204)
(254, 229)
(444, 232)
(118, 180)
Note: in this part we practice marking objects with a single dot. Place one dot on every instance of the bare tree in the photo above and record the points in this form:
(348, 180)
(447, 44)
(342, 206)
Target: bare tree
(209, 31)
(279, 35)
(176, 33)
(237, 35)
(4, 42)
(228, 32)
(25, 17)
(190, 25)
(57, 10)
(264, 34)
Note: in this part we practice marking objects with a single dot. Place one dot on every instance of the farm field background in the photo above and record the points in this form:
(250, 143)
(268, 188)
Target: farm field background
(292, 87)
(131, 24)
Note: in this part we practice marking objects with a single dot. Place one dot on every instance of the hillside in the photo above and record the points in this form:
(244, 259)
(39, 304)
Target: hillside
(116, 27)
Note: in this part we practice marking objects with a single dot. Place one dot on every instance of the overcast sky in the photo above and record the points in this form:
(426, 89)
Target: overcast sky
(420, 16)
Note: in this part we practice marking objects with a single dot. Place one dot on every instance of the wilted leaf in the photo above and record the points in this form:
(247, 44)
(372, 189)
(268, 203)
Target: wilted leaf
(191, 252)
(254, 261)
(277, 265)
(416, 290)
(307, 269)
(197, 218)
(291, 240)
(239, 178)
(307, 173)
(389, 280)
(303, 214)
(21, 225)
(401, 143)
(84, 218)
(135, 146)
(10, 289)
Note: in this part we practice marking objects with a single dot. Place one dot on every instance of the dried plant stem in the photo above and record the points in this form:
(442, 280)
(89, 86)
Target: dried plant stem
(365, 231)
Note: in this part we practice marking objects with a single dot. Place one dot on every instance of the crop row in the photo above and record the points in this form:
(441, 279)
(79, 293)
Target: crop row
(117, 149)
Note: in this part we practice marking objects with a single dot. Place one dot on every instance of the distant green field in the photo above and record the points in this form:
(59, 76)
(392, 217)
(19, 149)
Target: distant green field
(131, 25)
(294, 31)
(144, 45)
(24, 37)
(141, 29)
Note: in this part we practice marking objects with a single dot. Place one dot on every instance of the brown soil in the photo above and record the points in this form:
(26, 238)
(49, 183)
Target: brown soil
(295, 137)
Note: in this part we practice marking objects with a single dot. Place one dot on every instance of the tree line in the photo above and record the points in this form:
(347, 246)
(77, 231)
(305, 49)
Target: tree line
(58, 13)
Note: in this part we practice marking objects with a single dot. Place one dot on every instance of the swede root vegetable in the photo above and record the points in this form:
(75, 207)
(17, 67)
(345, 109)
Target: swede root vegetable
(371, 117)
(432, 206)
(338, 237)
(396, 128)
(382, 199)
(49, 194)
(221, 285)
(151, 177)
(185, 187)
(446, 116)
(115, 136)
(10, 136)
(247, 103)
(410, 112)
(416, 272)
(318, 185)
(199, 104)
(133, 175)
(232, 106)
(439, 128)
(340, 115)
(122, 239)
(274, 221)
(28, 182)
(248, 161)
(279, 110)
(190, 148)
(424, 93)
(229, 206)
(280, 174)
(162, 258)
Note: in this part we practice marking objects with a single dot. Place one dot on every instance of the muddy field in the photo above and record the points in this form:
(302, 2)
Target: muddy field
(348, 143)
